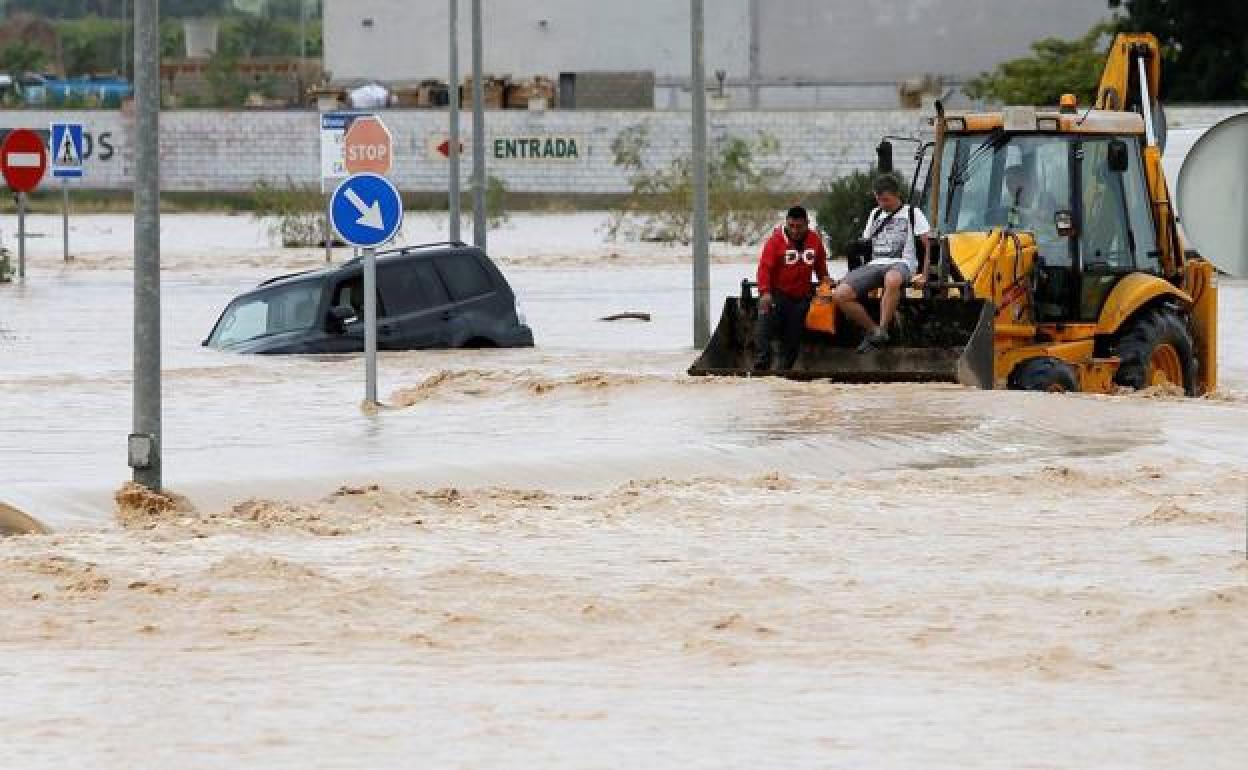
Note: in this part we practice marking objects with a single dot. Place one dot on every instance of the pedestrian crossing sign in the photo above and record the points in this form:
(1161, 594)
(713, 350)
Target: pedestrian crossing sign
(66, 150)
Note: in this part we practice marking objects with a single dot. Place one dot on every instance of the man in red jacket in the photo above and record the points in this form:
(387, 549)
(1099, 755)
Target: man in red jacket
(790, 256)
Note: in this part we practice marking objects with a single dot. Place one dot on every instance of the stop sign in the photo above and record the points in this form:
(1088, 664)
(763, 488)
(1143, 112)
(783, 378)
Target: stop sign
(23, 160)
(368, 146)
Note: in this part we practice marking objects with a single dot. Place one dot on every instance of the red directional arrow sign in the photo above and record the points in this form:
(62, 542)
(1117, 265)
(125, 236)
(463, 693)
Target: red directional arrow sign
(23, 159)
(445, 148)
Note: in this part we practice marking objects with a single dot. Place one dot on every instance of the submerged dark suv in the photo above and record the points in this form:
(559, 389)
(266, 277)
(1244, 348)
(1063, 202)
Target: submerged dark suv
(441, 295)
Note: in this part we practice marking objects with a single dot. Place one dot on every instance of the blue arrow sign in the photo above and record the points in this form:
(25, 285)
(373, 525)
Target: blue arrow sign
(366, 210)
(65, 149)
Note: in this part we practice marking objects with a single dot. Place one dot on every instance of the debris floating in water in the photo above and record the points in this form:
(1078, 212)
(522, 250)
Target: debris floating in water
(630, 316)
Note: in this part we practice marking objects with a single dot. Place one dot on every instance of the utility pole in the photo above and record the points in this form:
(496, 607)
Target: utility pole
(452, 109)
(701, 255)
(145, 441)
(303, 48)
(756, 71)
(125, 41)
(478, 133)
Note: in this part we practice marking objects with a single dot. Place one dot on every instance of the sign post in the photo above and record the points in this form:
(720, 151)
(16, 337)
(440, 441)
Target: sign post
(479, 224)
(333, 162)
(66, 144)
(452, 109)
(351, 143)
(23, 161)
(21, 236)
(701, 247)
(366, 211)
(145, 442)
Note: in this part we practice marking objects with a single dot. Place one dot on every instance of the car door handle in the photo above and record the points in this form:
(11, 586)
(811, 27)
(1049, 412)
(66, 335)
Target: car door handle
(446, 315)
(386, 329)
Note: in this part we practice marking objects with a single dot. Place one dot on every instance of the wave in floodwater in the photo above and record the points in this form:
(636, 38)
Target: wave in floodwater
(595, 404)
(522, 429)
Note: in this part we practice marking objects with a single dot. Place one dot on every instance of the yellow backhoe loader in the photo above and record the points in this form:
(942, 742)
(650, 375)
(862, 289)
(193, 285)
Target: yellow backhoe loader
(1058, 265)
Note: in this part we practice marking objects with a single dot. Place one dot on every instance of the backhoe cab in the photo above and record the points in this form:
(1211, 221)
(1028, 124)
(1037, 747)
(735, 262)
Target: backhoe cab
(1059, 265)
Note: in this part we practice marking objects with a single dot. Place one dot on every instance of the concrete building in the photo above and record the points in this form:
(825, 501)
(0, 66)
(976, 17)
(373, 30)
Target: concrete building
(774, 53)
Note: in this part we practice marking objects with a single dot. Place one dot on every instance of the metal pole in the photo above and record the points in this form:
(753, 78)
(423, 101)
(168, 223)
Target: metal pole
(370, 326)
(303, 47)
(1146, 103)
(329, 236)
(65, 216)
(756, 21)
(452, 109)
(478, 133)
(145, 444)
(125, 49)
(701, 256)
(21, 236)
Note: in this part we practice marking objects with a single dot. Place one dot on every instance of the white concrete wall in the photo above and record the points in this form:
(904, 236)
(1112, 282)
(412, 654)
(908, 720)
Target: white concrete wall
(221, 151)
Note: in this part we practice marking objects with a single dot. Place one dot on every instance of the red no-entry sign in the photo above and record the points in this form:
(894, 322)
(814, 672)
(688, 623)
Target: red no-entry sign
(23, 159)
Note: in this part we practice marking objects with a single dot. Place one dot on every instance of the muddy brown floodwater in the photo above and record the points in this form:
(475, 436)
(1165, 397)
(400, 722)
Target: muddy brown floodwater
(575, 556)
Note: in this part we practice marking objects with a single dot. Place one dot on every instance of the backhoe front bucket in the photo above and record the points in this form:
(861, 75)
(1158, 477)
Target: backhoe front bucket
(934, 340)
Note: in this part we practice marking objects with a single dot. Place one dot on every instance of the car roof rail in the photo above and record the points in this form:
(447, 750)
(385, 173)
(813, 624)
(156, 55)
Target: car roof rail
(403, 250)
(275, 279)
(416, 246)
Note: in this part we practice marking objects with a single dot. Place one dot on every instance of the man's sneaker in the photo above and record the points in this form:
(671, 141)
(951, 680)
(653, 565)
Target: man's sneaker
(875, 339)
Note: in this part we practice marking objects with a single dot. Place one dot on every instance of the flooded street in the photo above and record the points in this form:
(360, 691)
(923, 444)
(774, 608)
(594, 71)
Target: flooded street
(577, 556)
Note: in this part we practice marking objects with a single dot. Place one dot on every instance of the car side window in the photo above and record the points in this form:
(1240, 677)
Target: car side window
(351, 292)
(465, 277)
(411, 286)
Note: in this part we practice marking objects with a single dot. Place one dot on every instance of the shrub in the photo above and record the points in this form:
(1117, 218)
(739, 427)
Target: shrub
(293, 215)
(844, 206)
(495, 202)
(741, 191)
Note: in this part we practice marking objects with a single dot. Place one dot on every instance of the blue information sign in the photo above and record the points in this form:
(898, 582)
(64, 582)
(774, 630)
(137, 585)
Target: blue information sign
(65, 147)
(366, 210)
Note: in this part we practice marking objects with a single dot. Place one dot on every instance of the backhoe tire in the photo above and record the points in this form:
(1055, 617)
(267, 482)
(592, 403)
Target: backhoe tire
(1156, 348)
(1048, 375)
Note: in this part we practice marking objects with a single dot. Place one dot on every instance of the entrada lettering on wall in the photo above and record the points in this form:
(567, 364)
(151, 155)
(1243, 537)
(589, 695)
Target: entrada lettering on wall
(536, 148)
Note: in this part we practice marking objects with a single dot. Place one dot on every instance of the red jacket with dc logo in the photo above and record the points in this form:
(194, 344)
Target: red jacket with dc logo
(786, 266)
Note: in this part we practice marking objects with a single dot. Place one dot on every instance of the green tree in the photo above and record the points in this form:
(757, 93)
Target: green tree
(90, 45)
(1056, 67)
(228, 86)
(21, 57)
(248, 36)
(1205, 43)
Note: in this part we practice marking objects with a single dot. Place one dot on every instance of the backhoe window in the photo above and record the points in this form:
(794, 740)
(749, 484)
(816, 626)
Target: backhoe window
(1140, 212)
(1105, 239)
(1021, 183)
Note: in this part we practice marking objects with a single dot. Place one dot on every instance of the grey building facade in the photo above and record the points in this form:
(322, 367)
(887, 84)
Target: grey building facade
(773, 53)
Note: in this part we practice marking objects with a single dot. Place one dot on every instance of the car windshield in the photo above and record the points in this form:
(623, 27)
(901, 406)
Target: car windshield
(1021, 181)
(285, 309)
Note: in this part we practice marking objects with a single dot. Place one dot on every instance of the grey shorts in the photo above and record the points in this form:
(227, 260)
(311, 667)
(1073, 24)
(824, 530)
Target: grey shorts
(871, 276)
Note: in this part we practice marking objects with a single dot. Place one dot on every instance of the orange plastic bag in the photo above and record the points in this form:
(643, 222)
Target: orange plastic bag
(822, 314)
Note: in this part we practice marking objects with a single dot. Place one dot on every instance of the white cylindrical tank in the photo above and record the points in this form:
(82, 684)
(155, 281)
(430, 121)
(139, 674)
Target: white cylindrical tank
(1207, 170)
